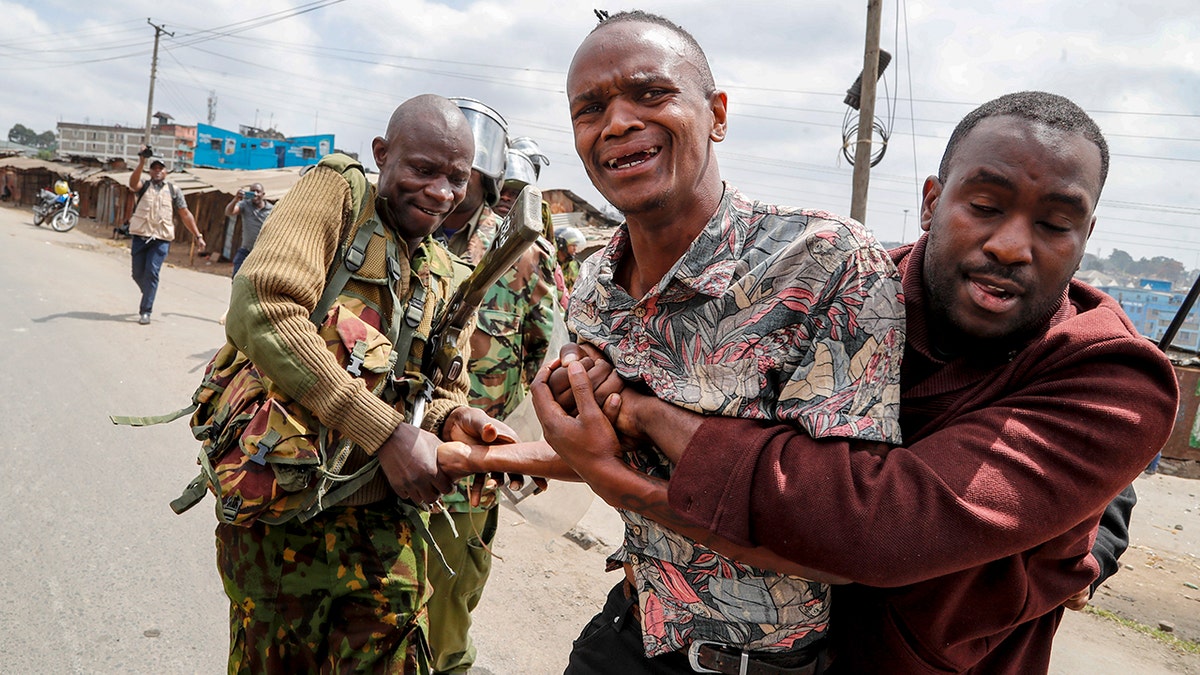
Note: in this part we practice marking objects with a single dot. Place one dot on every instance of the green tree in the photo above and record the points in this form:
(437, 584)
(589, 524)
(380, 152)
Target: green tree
(1091, 262)
(1119, 260)
(22, 134)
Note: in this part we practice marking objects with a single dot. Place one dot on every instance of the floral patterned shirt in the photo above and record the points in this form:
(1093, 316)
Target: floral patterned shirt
(773, 313)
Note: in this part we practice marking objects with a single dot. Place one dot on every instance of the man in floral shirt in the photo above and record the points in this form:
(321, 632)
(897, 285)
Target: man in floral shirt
(724, 306)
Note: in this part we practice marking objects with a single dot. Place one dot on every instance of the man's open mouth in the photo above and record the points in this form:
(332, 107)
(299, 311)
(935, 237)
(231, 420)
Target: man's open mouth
(632, 160)
(997, 291)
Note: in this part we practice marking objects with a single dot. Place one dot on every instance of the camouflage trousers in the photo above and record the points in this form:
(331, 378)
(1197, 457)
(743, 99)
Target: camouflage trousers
(454, 598)
(344, 592)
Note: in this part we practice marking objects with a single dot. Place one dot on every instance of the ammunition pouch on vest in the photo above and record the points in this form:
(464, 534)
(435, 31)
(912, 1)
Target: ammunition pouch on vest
(264, 456)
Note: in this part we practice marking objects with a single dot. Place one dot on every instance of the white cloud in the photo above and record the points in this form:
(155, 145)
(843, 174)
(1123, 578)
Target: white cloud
(786, 65)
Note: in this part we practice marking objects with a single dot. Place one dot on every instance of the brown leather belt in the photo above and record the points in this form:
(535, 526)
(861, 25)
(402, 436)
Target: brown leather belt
(713, 657)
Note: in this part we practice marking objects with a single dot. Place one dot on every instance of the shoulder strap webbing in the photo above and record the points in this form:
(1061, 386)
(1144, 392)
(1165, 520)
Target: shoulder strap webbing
(150, 420)
(350, 259)
(146, 186)
(347, 264)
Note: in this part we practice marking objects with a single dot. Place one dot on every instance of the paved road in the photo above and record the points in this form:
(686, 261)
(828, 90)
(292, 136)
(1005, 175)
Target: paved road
(97, 574)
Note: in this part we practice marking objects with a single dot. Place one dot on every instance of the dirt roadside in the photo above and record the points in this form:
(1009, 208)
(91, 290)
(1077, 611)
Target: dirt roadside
(1159, 581)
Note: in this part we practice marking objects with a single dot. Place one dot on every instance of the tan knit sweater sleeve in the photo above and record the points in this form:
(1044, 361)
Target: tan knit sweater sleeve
(275, 292)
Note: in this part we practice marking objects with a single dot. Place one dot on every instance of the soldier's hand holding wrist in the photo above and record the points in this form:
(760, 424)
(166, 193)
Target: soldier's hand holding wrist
(409, 459)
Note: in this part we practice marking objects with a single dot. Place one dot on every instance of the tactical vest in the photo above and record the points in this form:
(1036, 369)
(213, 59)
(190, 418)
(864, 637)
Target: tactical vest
(154, 214)
(266, 457)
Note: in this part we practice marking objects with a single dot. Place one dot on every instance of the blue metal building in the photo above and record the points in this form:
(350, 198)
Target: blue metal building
(223, 149)
(1151, 305)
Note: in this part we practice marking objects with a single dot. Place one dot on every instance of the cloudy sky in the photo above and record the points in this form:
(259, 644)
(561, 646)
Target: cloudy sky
(341, 66)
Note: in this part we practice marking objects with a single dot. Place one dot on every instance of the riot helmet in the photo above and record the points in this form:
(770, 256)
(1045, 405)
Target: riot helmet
(491, 138)
(530, 149)
(519, 168)
(519, 172)
(566, 236)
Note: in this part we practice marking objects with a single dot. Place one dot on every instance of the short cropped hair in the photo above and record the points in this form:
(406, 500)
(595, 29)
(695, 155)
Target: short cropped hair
(695, 53)
(1052, 110)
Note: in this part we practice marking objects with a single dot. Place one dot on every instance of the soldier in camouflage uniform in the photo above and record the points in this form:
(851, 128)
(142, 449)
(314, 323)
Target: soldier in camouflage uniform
(507, 348)
(570, 241)
(345, 591)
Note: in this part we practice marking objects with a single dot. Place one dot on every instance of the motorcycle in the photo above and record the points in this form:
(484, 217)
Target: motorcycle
(62, 210)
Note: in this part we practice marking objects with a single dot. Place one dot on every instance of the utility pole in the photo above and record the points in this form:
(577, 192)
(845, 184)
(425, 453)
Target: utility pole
(866, 117)
(158, 30)
(212, 106)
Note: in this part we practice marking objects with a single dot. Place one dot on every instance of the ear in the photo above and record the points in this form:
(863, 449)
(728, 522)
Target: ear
(719, 103)
(379, 148)
(1091, 227)
(929, 198)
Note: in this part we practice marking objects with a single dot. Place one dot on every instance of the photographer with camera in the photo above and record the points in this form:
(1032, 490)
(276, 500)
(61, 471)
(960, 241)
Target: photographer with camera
(251, 203)
(152, 226)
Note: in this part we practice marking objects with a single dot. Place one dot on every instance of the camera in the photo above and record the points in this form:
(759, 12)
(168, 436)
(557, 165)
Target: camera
(147, 152)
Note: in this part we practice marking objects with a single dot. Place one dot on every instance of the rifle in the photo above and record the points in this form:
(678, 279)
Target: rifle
(443, 360)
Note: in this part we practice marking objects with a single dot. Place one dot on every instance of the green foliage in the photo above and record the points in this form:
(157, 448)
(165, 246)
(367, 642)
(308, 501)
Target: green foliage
(22, 134)
(1159, 267)
(1119, 261)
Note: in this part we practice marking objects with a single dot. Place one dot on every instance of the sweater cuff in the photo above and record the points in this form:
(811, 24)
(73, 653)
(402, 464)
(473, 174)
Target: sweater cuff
(435, 419)
(370, 422)
(710, 486)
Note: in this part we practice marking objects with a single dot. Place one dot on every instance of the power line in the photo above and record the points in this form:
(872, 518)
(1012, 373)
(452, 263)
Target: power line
(56, 38)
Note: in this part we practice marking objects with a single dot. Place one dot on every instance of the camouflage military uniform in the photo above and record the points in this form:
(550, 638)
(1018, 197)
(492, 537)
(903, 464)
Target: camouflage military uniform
(570, 273)
(507, 348)
(345, 591)
(296, 583)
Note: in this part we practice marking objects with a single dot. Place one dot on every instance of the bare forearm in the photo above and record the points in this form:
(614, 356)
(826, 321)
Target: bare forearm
(668, 426)
(135, 178)
(530, 459)
(190, 222)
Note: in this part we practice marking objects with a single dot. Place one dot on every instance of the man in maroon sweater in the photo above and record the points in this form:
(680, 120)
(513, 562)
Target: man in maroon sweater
(1028, 401)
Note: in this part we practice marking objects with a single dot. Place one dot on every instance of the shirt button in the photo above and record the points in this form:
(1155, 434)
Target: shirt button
(639, 312)
(628, 359)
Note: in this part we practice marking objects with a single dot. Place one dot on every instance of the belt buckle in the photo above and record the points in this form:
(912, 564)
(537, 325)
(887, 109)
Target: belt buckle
(694, 657)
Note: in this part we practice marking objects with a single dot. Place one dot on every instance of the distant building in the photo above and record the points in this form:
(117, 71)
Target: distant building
(250, 148)
(173, 143)
(10, 149)
(1151, 305)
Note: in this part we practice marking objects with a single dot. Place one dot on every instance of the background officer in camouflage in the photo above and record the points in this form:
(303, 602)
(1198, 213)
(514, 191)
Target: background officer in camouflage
(510, 342)
(570, 242)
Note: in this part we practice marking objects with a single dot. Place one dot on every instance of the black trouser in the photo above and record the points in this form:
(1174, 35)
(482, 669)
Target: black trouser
(612, 643)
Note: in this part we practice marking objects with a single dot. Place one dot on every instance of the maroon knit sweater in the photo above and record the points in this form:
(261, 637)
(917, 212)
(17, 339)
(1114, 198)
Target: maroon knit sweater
(967, 540)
